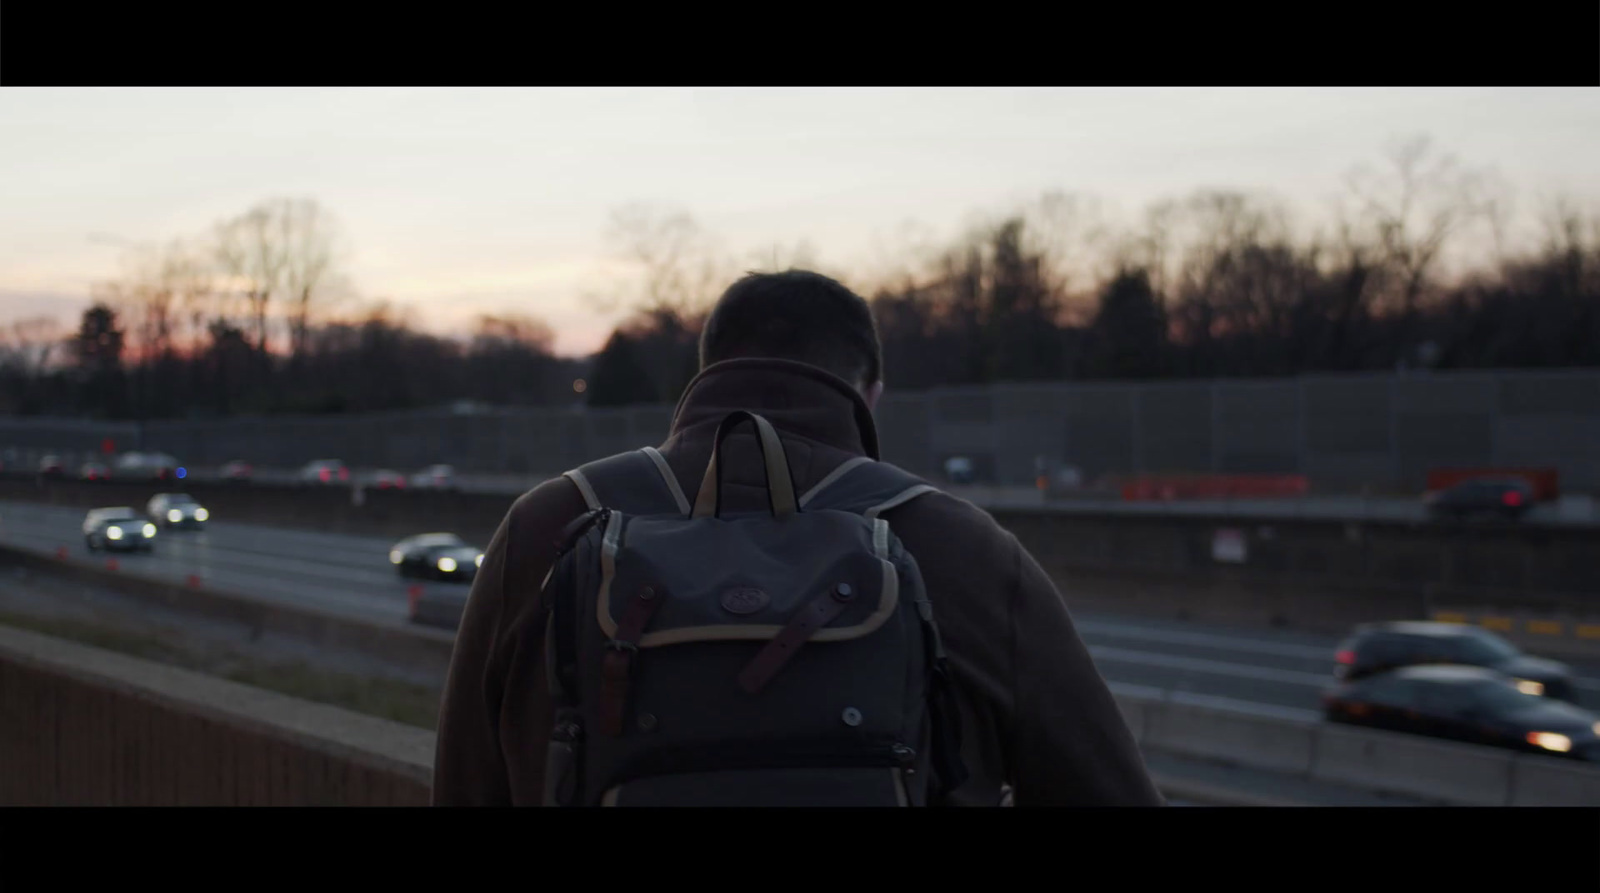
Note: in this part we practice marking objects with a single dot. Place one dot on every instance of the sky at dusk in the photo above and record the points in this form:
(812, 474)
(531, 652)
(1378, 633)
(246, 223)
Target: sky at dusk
(457, 202)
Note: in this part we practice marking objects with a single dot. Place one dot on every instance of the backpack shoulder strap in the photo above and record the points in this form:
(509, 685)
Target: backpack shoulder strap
(866, 487)
(638, 482)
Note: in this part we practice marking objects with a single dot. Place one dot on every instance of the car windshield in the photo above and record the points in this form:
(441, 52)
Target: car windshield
(441, 539)
(180, 498)
(1500, 698)
(1487, 649)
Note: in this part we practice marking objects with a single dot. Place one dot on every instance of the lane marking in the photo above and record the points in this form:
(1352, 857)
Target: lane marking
(1545, 627)
(1210, 640)
(1500, 624)
(1213, 667)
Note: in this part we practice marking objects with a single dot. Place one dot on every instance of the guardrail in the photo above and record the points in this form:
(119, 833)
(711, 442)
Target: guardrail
(1293, 743)
(80, 726)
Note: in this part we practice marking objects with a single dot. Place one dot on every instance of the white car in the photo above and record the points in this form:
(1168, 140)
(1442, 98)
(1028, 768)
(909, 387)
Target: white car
(435, 477)
(119, 529)
(147, 466)
(171, 510)
(324, 471)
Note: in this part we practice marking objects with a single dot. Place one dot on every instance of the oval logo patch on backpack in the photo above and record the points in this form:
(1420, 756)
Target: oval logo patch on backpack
(744, 600)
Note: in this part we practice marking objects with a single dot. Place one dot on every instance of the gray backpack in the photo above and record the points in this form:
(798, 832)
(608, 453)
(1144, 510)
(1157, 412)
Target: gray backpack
(781, 658)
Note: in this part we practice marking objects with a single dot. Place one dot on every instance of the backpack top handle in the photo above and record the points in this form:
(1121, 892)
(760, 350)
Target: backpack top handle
(780, 486)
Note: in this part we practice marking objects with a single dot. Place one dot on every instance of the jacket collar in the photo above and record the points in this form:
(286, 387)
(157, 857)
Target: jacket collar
(797, 398)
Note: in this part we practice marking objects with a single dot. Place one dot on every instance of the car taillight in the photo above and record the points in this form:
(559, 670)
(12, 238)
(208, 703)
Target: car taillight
(1512, 498)
(323, 474)
(344, 474)
(1345, 657)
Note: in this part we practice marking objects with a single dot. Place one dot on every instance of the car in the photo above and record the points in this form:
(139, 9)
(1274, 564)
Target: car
(437, 556)
(171, 510)
(384, 479)
(324, 471)
(238, 471)
(118, 529)
(1378, 647)
(52, 467)
(435, 477)
(959, 470)
(94, 471)
(1508, 498)
(148, 467)
(1475, 705)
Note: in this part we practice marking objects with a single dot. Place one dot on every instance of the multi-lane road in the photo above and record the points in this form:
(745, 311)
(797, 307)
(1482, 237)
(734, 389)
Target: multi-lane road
(1277, 671)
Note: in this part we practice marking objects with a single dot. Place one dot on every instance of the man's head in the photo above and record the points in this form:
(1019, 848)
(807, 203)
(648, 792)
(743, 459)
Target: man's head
(797, 315)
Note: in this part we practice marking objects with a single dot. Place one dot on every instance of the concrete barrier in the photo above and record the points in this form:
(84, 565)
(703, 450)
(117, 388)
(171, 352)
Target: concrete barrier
(1408, 764)
(84, 727)
(1547, 781)
(1258, 741)
(1388, 762)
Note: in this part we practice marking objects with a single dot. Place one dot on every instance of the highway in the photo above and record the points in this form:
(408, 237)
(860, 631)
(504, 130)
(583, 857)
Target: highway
(1279, 672)
(1568, 511)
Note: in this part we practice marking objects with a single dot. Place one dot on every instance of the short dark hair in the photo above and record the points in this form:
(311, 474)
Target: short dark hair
(795, 315)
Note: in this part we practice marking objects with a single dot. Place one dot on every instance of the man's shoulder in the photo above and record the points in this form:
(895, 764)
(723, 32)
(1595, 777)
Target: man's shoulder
(549, 506)
(936, 518)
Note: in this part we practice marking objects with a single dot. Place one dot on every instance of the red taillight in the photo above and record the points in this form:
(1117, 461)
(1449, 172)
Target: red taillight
(1512, 497)
(1345, 657)
(344, 474)
(324, 474)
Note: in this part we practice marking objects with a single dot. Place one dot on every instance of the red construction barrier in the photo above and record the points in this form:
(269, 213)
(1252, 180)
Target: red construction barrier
(1145, 488)
(1545, 481)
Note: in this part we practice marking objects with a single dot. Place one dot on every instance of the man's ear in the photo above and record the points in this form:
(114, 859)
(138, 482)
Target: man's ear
(872, 393)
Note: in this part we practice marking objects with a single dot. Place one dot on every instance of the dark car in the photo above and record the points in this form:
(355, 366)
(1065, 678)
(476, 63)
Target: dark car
(1379, 647)
(179, 510)
(118, 529)
(436, 556)
(1508, 498)
(1469, 704)
(94, 471)
(52, 467)
(237, 472)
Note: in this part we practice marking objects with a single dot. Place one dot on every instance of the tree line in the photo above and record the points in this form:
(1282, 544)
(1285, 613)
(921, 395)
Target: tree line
(250, 319)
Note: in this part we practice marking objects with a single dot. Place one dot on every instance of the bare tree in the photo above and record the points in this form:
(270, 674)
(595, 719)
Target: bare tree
(1412, 208)
(31, 343)
(313, 250)
(252, 251)
(678, 263)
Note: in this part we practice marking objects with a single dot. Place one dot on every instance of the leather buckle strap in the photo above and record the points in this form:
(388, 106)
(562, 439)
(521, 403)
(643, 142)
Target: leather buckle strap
(616, 667)
(785, 645)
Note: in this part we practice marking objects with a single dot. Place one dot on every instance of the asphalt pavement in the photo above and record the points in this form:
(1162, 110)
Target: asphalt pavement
(1275, 671)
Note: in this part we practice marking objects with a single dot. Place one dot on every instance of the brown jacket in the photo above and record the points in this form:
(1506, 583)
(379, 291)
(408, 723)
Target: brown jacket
(1036, 714)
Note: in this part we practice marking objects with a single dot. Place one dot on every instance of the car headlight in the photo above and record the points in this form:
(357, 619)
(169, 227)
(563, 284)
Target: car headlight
(113, 533)
(1529, 687)
(149, 530)
(396, 556)
(1550, 741)
(447, 564)
(479, 560)
(201, 514)
(174, 515)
